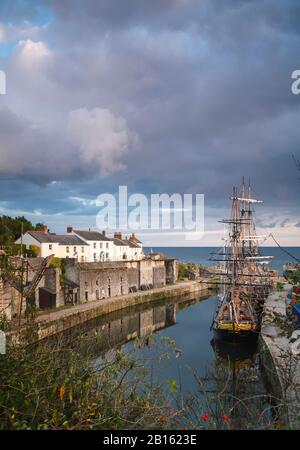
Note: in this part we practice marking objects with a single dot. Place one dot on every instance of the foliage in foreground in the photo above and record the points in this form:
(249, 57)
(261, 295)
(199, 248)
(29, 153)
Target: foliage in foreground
(51, 387)
(56, 385)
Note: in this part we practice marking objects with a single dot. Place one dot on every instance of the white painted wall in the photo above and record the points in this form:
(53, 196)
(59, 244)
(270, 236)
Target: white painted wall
(99, 250)
(95, 251)
(60, 251)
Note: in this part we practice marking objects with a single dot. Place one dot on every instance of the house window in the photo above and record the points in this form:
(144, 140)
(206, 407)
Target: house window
(50, 246)
(67, 249)
(97, 295)
(106, 244)
(97, 283)
(74, 249)
(107, 255)
(82, 249)
(86, 296)
(101, 245)
(94, 244)
(82, 259)
(95, 256)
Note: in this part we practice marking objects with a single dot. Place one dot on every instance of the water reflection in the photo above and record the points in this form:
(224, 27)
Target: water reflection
(225, 378)
(239, 389)
(120, 328)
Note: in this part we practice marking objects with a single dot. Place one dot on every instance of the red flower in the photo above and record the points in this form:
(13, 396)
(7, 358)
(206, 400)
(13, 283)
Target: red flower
(226, 419)
(205, 417)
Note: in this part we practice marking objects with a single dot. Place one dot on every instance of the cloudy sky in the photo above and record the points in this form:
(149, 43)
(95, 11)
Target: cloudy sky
(163, 96)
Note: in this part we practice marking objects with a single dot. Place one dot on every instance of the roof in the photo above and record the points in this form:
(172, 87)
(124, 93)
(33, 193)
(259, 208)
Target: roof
(70, 283)
(120, 242)
(131, 244)
(61, 239)
(135, 239)
(92, 235)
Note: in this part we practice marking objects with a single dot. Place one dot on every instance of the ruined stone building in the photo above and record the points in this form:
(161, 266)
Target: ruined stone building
(78, 282)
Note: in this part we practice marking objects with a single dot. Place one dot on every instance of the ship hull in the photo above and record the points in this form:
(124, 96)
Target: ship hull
(234, 337)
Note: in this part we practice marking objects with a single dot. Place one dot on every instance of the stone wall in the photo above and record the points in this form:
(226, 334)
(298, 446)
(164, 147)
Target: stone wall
(10, 301)
(101, 280)
(133, 270)
(52, 282)
(171, 271)
(152, 273)
(102, 283)
(60, 321)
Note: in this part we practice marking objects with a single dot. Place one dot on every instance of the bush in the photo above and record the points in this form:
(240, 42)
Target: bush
(35, 249)
(53, 387)
(56, 262)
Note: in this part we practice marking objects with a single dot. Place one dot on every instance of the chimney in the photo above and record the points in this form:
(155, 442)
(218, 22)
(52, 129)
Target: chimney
(69, 229)
(132, 237)
(104, 232)
(45, 229)
(118, 235)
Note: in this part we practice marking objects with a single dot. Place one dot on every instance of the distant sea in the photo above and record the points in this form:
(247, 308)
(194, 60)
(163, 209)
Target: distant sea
(200, 255)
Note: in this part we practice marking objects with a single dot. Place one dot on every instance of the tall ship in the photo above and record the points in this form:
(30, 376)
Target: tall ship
(244, 277)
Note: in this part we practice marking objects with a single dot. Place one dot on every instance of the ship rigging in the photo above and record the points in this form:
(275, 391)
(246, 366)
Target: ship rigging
(244, 278)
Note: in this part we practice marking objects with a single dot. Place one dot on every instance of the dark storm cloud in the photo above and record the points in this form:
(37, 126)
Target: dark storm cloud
(193, 94)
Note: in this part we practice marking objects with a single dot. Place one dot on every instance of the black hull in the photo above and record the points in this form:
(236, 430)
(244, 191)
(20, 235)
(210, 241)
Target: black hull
(231, 351)
(235, 337)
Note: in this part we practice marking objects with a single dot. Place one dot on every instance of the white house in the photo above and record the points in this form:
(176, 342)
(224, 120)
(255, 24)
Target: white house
(101, 248)
(130, 249)
(121, 248)
(84, 245)
(62, 246)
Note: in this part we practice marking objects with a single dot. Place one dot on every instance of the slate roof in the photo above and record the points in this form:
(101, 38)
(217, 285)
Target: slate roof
(135, 239)
(92, 235)
(131, 244)
(61, 239)
(120, 242)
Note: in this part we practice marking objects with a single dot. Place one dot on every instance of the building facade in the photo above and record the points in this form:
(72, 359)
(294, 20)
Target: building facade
(61, 246)
(84, 245)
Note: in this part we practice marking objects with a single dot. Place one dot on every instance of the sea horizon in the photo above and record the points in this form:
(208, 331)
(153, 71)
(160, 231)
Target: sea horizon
(200, 255)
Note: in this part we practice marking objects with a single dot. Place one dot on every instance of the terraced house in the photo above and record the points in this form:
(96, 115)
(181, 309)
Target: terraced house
(84, 245)
(60, 245)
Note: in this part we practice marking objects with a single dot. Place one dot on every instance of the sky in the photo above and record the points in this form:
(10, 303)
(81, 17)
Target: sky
(161, 96)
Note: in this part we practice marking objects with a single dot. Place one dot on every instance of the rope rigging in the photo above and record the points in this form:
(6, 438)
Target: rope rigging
(283, 249)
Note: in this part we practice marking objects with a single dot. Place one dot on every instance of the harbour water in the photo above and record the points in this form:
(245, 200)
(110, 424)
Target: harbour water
(231, 377)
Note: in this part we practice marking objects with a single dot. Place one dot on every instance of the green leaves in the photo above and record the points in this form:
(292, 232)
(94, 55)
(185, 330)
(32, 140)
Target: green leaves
(173, 386)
